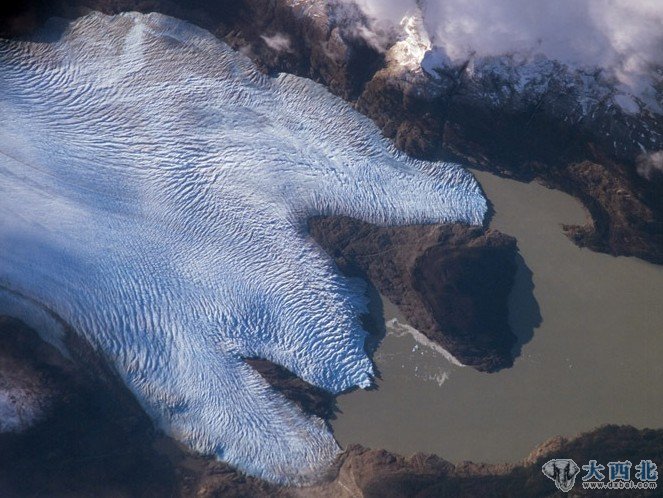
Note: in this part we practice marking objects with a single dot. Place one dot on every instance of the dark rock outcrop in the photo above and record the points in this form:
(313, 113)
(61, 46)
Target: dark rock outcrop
(312, 400)
(451, 282)
(95, 440)
(378, 473)
(536, 141)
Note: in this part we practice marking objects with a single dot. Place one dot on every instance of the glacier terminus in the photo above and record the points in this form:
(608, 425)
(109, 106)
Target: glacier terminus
(154, 192)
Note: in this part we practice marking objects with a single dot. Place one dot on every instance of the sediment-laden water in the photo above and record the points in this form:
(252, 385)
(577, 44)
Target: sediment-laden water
(591, 326)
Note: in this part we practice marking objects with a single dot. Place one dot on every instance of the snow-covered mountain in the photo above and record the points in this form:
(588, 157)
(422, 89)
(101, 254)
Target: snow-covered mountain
(588, 96)
(154, 188)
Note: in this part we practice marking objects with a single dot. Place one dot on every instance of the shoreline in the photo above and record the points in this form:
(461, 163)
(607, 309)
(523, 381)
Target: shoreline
(580, 318)
(124, 454)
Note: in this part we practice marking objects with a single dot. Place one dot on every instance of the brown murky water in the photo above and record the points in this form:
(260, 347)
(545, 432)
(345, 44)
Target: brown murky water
(592, 328)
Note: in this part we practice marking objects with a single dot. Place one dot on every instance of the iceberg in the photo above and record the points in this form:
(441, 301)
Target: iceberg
(154, 192)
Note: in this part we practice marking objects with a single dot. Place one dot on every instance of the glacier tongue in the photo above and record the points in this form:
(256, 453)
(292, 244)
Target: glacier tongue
(154, 188)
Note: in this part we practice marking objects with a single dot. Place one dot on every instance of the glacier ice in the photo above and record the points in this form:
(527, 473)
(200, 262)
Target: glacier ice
(154, 189)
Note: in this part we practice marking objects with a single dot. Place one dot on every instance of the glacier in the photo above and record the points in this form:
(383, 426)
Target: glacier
(154, 192)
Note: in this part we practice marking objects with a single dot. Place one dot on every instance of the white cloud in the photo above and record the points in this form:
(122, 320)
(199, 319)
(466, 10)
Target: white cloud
(624, 36)
(278, 42)
(648, 164)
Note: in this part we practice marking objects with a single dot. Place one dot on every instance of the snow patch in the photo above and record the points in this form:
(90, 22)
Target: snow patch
(627, 103)
(20, 408)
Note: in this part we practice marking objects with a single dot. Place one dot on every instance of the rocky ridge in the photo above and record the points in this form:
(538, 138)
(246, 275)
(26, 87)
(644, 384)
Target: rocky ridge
(450, 281)
(537, 121)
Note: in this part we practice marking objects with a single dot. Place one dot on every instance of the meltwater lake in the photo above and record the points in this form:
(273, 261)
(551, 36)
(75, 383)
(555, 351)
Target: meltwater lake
(591, 331)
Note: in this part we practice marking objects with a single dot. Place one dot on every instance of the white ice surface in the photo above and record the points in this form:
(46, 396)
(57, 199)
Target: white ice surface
(154, 188)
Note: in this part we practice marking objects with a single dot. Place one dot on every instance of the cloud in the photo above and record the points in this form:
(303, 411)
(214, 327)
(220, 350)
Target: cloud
(278, 42)
(624, 36)
(650, 164)
(392, 11)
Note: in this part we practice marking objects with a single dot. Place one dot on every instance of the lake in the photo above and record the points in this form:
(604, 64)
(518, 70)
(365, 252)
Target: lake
(591, 327)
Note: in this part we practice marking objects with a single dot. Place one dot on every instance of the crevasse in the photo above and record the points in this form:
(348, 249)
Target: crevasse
(154, 188)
